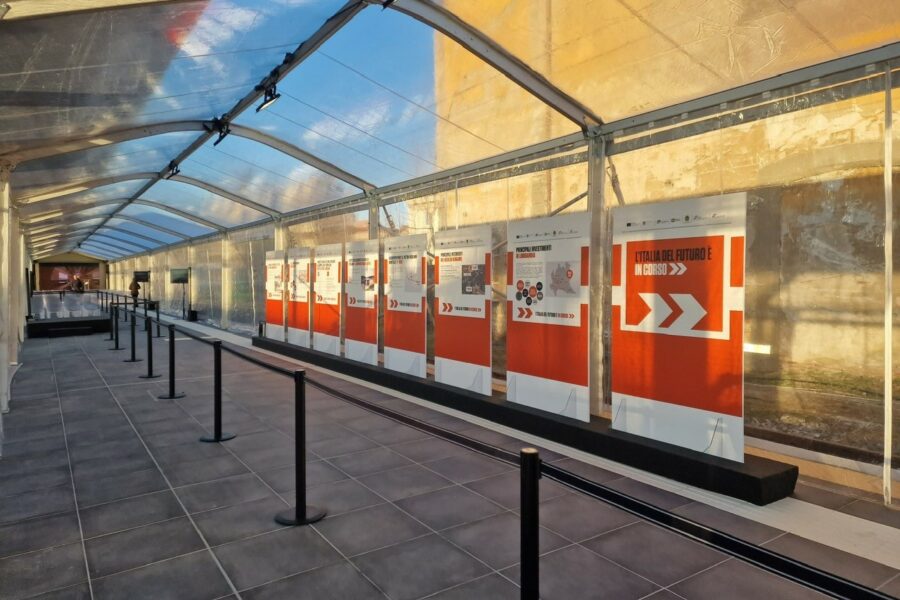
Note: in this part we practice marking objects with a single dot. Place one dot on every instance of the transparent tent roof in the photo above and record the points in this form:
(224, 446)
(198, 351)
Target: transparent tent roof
(95, 104)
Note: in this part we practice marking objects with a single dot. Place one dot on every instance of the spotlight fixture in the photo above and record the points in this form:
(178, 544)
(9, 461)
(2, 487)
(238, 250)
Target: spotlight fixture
(220, 125)
(173, 170)
(270, 95)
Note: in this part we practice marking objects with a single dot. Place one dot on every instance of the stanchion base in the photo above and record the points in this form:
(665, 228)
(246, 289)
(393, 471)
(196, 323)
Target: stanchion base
(210, 439)
(135, 360)
(175, 397)
(149, 376)
(289, 517)
(114, 349)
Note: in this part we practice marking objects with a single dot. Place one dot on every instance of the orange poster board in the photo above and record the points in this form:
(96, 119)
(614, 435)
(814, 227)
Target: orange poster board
(361, 302)
(275, 295)
(548, 285)
(327, 271)
(404, 272)
(298, 281)
(462, 308)
(677, 322)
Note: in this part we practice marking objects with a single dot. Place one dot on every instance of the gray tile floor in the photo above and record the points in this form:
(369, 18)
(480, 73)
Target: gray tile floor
(106, 493)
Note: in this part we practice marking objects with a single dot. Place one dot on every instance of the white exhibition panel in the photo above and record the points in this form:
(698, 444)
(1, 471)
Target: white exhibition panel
(475, 378)
(329, 260)
(411, 363)
(275, 286)
(557, 397)
(548, 298)
(361, 289)
(462, 333)
(298, 260)
(404, 304)
(679, 295)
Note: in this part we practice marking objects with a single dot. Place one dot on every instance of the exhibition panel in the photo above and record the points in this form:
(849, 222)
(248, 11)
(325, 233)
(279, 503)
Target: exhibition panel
(327, 298)
(361, 301)
(275, 287)
(404, 273)
(299, 265)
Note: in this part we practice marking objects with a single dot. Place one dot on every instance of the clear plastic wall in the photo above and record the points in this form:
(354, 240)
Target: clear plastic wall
(177, 295)
(206, 281)
(245, 283)
(811, 161)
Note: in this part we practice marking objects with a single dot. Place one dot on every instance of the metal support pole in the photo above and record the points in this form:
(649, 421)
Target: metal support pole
(146, 322)
(134, 357)
(116, 320)
(888, 448)
(301, 514)
(150, 374)
(172, 395)
(261, 332)
(217, 436)
(112, 324)
(530, 473)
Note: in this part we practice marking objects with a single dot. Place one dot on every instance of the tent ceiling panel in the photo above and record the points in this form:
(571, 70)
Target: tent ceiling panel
(400, 115)
(143, 230)
(129, 66)
(72, 214)
(81, 199)
(264, 175)
(626, 57)
(144, 154)
(200, 202)
(165, 219)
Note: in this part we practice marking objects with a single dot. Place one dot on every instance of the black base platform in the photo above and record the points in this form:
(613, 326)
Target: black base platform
(66, 326)
(758, 480)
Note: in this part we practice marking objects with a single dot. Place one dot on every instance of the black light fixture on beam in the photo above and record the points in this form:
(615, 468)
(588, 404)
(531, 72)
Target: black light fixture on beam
(220, 125)
(173, 170)
(270, 95)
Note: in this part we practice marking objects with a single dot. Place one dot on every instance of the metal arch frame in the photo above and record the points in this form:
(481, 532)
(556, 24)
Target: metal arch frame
(103, 244)
(301, 155)
(145, 224)
(143, 245)
(209, 187)
(42, 200)
(331, 26)
(134, 133)
(145, 202)
(115, 229)
(79, 186)
(485, 48)
(98, 247)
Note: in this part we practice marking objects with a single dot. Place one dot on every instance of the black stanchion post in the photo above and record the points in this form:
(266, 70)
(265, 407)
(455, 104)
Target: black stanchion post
(112, 325)
(261, 333)
(530, 569)
(217, 436)
(301, 514)
(172, 395)
(134, 357)
(116, 328)
(158, 334)
(150, 374)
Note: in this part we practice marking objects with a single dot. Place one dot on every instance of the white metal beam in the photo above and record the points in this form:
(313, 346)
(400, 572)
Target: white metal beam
(133, 133)
(497, 56)
(226, 194)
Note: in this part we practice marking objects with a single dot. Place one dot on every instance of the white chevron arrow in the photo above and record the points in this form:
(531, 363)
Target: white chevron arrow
(691, 315)
(659, 310)
(682, 267)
